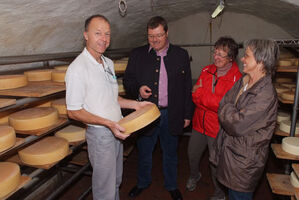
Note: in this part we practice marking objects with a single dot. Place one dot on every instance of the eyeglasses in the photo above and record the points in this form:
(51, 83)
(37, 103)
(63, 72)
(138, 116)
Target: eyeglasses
(215, 53)
(160, 35)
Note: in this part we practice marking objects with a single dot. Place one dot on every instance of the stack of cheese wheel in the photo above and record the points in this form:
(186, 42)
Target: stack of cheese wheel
(58, 76)
(12, 81)
(283, 116)
(285, 63)
(140, 118)
(61, 67)
(281, 89)
(39, 75)
(7, 137)
(294, 180)
(291, 145)
(285, 126)
(10, 178)
(288, 95)
(33, 118)
(288, 85)
(60, 105)
(46, 151)
(283, 80)
(72, 133)
(120, 65)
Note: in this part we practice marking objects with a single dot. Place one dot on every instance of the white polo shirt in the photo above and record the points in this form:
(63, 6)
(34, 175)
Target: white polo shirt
(90, 86)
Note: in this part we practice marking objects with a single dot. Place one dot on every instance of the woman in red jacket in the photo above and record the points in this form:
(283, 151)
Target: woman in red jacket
(215, 80)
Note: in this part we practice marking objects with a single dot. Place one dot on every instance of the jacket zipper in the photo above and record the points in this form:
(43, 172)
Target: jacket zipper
(203, 122)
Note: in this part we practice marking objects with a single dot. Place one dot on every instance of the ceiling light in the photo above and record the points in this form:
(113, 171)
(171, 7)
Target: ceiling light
(219, 9)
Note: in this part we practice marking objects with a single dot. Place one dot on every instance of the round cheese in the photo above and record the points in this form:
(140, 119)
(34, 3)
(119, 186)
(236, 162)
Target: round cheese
(120, 86)
(12, 81)
(285, 126)
(283, 116)
(46, 151)
(285, 63)
(283, 80)
(72, 133)
(120, 65)
(140, 118)
(61, 67)
(58, 75)
(290, 145)
(7, 137)
(10, 178)
(288, 85)
(33, 118)
(294, 180)
(289, 95)
(39, 75)
(4, 116)
(60, 105)
(281, 89)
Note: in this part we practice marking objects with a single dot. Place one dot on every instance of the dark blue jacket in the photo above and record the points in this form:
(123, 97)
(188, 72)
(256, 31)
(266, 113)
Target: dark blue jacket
(143, 69)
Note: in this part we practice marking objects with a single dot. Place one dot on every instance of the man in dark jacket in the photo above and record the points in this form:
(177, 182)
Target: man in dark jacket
(160, 72)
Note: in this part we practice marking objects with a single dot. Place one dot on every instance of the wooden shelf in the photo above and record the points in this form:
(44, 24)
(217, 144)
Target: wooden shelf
(285, 101)
(280, 184)
(24, 180)
(19, 141)
(279, 153)
(282, 133)
(287, 69)
(7, 102)
(296, 168)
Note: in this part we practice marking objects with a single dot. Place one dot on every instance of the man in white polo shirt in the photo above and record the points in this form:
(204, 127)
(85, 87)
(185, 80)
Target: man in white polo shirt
(92, 98)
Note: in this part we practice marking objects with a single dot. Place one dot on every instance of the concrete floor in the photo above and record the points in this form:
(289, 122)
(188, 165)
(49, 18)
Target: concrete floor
(156, 190)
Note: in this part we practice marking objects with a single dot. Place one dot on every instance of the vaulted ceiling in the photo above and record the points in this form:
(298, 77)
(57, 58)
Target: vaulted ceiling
(52, 26)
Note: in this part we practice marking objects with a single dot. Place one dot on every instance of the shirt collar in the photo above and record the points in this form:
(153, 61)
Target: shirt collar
(162, 52)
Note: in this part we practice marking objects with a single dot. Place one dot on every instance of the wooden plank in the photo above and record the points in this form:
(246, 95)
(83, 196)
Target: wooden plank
(19, 141)
(37, 132)
(35, 89)
(279, 153)
(296, 168)
(80, 159)
(287, 69)
(297, 193)
(7, 102)
(282, 133)
(24, 180)
(280, 184)
(285, 101)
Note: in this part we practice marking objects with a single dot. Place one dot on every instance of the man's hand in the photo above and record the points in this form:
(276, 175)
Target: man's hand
(117, 130)
(187, 122)
(145, 92)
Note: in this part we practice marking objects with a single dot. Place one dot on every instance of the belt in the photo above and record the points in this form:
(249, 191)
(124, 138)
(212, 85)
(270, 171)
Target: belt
(162, 107)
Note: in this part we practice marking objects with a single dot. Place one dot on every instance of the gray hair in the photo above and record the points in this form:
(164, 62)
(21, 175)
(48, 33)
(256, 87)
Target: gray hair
(265, 51)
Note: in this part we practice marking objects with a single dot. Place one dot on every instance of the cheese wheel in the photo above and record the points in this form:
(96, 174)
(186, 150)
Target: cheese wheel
(58, 75)
(4, 116)
(285, 63)
(140, 118)
(288, 85)
(120, 86)
(289, 95)
(39, 75)
(10, 178)
(60, 105)
(12, 81)
(61, 67)
(7, 137)
(120, 65)
(72, 133)
(46, 151)
(283, 116)
(33, 118)
(281, 89)
(283, 80)
(290, 145)
(294, 180)
(285, 126)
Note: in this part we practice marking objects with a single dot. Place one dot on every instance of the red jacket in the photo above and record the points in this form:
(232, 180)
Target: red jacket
(205, 118)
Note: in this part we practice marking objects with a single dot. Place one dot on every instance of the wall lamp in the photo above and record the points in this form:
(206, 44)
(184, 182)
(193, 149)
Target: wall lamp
(219, 9)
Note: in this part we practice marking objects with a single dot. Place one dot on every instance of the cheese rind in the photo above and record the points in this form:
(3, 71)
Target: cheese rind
(7, 137)
(294, 180)
(290, 145)
(46, 151)
(10, 177)
(283, 116)
(140, 118)
(285, 126)
(33, 118)
(289, 95)
(72, 133)
(58, 75)
(60, 105)
(12, 81)
(39, 75)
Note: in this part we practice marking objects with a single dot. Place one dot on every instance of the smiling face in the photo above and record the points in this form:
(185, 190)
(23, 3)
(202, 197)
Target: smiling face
(249, 62)
(157, 38)
(97, 37)
(221, 58)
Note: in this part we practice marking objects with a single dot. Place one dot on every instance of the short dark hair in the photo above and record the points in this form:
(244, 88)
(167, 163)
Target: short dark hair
(88, 20)
(154, 22)
(230, 44)
(265, 51)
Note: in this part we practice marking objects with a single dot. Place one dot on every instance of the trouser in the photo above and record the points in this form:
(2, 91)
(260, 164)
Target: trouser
(106, 157)
(235, 195)
(168, 145)
(197, 144)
